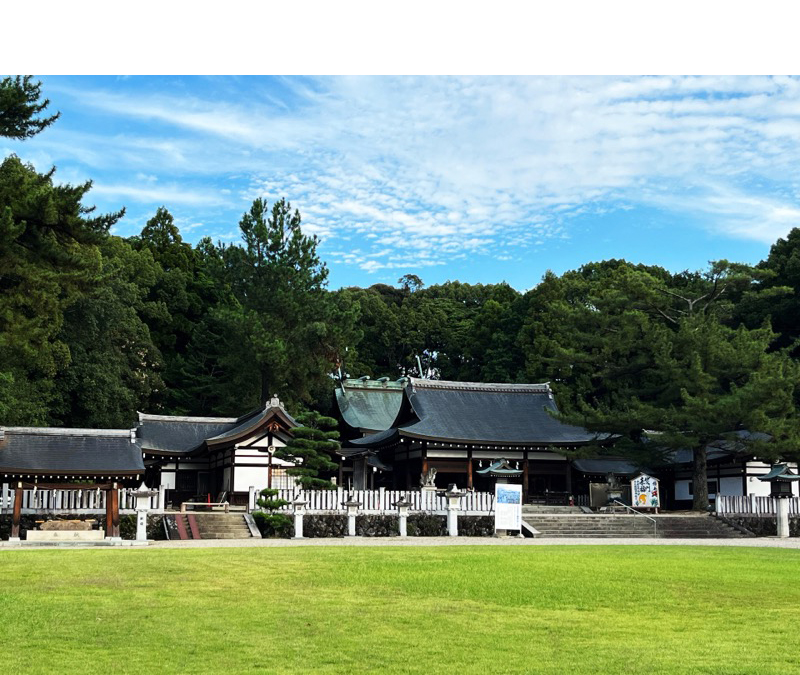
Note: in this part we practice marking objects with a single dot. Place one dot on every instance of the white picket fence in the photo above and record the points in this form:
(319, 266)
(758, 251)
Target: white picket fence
(381, 501)
(751, 505)
(73, 501)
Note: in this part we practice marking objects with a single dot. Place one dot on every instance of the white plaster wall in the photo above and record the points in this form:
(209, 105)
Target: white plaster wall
(245, 456)
(682, 489)
(168, 480)
(247, 476)
(264, 443)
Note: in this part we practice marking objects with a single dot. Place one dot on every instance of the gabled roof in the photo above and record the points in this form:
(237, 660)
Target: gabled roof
(500, 468)
(69, 452)
(477, 412)
(370, 405)
(175, 435)
(780, 472)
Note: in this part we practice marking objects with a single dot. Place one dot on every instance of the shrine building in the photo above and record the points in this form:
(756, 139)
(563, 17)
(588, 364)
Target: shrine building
(458, 428)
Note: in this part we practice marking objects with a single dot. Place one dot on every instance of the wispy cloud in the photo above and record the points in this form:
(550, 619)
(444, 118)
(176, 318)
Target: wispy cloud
(416, 171)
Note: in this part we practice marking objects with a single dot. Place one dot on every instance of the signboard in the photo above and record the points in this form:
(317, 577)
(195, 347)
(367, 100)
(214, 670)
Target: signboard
(507, 506)
(644, 492)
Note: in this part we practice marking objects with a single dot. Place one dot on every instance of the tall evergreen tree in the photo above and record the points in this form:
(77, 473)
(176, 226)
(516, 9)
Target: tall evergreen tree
(19, 105)
(284, 327)
(645, 351)
(49, 256)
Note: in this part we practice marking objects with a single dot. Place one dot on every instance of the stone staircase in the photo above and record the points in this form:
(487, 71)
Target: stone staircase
(629, 526)
(222, 526)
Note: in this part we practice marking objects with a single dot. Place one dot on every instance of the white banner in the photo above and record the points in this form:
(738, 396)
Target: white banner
(507, 506)
(644, 492)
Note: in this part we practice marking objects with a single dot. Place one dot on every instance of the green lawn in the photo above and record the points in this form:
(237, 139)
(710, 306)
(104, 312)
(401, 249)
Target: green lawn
(448, 610)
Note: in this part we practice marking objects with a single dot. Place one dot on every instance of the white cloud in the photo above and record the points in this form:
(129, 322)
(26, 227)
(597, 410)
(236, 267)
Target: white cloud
(436, 167)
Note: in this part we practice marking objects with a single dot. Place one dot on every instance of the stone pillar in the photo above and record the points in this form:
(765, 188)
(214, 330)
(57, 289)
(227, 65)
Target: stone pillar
(453, 507)
(783, 517)
(251, 498)
(402, 508)
(352, 511)
(299, 512)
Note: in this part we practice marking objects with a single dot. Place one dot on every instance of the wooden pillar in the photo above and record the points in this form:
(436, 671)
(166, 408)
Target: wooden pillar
(15, 519)
(569, 477)
(525, 477)
(469, 468)
(114, 511)
(424, 453)
(109, 517)
(269, 471)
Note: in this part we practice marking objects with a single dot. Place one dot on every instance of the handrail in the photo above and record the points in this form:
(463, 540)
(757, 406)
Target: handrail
(638, 513)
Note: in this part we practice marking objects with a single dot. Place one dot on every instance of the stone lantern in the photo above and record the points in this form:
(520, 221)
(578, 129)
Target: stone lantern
(299, 506)
(142, 496)
(454, 496)
(780, 479)
(352, 511)
(402, 508)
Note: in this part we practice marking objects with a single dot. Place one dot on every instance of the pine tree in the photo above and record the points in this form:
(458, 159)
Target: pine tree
(19, 105)
(649, 357)
(311, 449)
(271, 524)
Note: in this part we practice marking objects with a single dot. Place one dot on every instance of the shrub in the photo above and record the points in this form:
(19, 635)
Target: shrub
(274, 525)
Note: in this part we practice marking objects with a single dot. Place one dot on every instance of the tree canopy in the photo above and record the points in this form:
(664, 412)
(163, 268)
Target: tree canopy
(19, 105)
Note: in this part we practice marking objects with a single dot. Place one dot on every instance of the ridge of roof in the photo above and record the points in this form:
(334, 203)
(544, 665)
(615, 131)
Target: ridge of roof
(541, 388)
(358, 383)
(66, 431)
(145, 417)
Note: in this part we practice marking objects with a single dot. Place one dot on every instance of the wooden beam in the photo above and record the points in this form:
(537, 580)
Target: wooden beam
(15, 519)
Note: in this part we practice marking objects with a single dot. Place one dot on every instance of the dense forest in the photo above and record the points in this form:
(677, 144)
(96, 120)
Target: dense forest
(94, 327)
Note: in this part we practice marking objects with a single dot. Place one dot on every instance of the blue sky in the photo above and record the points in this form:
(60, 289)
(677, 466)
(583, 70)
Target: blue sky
(480, 179)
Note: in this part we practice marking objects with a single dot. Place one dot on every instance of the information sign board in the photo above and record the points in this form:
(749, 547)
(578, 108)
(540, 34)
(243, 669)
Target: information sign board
(645, 492)
(507, 506)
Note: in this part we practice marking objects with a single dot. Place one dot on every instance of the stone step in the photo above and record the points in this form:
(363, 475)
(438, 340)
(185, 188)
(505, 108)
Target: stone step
(222, 526)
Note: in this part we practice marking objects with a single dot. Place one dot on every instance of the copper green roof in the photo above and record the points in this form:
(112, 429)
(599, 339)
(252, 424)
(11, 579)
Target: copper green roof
(780, 472)
(500, 468)
(369, 405)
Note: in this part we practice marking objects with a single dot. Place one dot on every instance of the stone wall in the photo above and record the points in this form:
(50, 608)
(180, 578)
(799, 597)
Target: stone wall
(763, 526)
(127, 524)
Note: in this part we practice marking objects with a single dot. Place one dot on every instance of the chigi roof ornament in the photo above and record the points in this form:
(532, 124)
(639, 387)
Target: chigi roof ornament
(275, 402)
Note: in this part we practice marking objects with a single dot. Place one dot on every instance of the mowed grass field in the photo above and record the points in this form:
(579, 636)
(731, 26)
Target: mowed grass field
(560, 609)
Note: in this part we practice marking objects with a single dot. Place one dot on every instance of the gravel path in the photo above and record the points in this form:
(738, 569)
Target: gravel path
(765, 542)
(755, 542)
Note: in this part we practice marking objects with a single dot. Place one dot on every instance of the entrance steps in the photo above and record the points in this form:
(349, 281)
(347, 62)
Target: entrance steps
(222, 526)
(626, 526)
(196, 525)
(540, 509)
